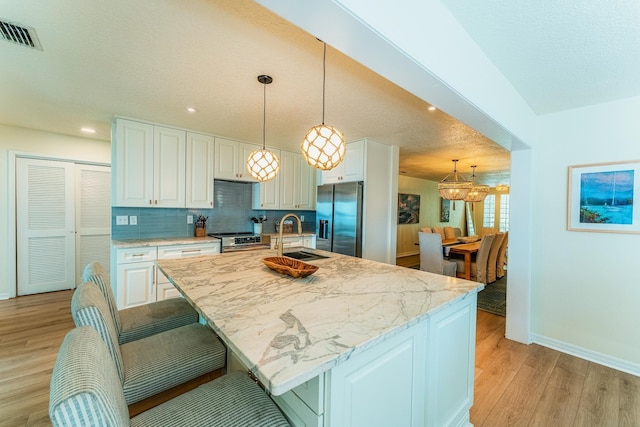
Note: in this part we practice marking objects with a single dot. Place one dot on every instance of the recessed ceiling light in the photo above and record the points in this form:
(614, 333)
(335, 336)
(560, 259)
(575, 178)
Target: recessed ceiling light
(191, 109)
(432, 108)
(88, 130)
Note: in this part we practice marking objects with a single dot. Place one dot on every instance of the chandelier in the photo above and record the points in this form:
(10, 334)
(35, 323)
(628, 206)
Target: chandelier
(263, 164)
(478, 192)
(323, 146)
(454, 186)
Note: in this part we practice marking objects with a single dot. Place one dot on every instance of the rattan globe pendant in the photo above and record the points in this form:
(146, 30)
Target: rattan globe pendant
(323, 146)
(263, 164)
(478, 192)
(454, 186)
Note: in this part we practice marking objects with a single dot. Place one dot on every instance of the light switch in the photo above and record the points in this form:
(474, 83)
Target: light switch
(189, 219)
(133, 220)
(122, 220)
(301, 218)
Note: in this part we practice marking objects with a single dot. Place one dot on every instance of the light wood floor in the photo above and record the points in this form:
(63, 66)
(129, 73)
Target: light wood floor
(516, 384)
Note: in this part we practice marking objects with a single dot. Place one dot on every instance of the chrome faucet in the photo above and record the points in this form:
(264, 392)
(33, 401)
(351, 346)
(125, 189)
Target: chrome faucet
(279, 243)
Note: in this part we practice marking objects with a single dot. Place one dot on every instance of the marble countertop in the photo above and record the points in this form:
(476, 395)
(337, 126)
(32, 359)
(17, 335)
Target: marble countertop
(288, 331)
(137, 243)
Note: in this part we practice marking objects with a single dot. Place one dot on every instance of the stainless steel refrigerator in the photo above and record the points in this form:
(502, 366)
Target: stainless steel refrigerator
(339, 218)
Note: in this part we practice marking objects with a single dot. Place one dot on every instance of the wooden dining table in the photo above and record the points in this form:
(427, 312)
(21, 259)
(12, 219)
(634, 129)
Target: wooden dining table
(465, 249)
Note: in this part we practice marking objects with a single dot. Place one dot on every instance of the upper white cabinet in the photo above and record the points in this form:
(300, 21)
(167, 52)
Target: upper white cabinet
(231, 160)
(200, 149)
(292, 189)
(149, 165)
(297, 183)
(350, 169)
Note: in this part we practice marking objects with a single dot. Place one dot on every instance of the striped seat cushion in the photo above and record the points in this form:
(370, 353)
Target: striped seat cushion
(231, 400)
(149, 319)
(85, 389)
(162, 361)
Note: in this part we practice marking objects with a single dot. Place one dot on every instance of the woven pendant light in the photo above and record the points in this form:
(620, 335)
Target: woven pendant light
(478, 192)
(323, 146)
(263, 164)
(454, 186)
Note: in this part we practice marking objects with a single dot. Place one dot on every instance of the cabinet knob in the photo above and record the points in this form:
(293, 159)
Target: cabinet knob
(155, 202)
(150, 202)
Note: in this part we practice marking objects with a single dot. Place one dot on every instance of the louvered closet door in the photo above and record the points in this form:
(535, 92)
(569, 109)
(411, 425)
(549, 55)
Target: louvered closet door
(45, 225)
(93, 216)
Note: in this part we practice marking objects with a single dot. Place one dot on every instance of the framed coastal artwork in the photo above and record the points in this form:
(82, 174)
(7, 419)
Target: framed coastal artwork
(408, 208)
(603, 197)
(445, 209)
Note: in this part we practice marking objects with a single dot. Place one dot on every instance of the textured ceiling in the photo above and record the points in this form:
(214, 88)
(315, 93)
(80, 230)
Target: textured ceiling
(150, 60)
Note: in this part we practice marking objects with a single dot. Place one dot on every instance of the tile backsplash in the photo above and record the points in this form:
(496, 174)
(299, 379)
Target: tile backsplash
(232, 212)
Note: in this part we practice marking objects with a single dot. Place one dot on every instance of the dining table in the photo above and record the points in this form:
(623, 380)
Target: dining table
(467, 250)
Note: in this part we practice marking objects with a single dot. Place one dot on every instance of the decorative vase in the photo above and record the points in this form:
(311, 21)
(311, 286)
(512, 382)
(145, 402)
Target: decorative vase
(257, 228)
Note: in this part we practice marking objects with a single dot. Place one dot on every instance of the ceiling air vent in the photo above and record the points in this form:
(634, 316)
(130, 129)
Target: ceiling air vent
(19, 34)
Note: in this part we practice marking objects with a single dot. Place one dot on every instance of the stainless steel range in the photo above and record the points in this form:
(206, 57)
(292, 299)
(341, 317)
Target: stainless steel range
(241, 241)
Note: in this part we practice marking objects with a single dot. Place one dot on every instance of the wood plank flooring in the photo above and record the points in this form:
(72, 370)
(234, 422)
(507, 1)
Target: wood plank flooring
(516, 384)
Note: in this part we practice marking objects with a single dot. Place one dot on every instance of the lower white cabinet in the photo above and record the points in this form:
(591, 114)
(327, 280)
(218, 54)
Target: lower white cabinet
(295, 241)
(138, 280)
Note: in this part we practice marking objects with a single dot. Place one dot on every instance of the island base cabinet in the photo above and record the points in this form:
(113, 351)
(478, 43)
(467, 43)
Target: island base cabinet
(450, 364)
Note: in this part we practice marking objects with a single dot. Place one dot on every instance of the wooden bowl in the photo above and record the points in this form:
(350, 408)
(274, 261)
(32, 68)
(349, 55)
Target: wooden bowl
(289, 266)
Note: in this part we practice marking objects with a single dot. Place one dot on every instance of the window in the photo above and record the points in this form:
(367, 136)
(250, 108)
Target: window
(504, 213)
(471, 229)
(489, 217)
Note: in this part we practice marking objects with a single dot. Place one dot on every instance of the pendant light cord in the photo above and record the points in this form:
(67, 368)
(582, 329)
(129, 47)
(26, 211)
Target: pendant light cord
(324, 77)
(264, 114)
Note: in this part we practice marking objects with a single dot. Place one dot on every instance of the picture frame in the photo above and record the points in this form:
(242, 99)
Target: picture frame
(445, 209)
(408, 208)
(604, 197)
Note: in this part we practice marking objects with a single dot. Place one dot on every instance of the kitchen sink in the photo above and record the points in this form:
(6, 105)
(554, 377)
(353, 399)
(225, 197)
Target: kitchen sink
(304, 255)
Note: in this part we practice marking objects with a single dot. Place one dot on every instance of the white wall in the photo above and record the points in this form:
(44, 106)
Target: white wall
(37, 143)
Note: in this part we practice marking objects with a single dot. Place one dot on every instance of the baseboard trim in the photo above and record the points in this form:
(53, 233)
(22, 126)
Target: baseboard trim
(592, 356)
(4, 295)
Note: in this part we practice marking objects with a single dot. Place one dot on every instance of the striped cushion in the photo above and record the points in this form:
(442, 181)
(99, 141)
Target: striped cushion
(94, 272)
(149, 319)
(85, 390)
(89, 308)
(231, 400)
(163, 361)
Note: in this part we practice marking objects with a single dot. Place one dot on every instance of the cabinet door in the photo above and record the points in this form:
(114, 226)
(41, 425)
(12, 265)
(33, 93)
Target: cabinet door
(354, 162)
(268, 194)
(307, 187)
(225, 159)
(334, 175)
(199, 174)
(289, 183)
(132, 168)
(135, 285)
(244, 151)
(169, 167)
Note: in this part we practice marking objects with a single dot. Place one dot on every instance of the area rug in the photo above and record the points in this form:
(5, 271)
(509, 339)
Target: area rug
(493, 298)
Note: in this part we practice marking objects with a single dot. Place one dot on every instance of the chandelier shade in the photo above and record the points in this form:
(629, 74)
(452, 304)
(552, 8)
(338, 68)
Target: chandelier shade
(263, 164)
(323, 146)
(454, 186)
(478, 192)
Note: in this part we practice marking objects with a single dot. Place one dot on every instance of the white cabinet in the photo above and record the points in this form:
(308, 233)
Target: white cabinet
(292, 241)
(148, 165)
(135, 276)
(199, 172)
(139, 281)
(297, 183)
(231, 160)
(292, 189)
(351, 169)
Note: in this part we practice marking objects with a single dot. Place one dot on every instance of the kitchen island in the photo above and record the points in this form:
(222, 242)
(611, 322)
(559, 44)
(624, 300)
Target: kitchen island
(357, 343)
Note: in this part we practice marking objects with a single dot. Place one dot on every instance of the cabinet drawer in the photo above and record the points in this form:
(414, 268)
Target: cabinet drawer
(183, 251)
(126, 256)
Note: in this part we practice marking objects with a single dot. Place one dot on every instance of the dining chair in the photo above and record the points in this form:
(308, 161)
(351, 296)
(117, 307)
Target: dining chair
(449, 233)
(144, 320)
(431, 257)
(426, 230)
(493, 257)
(85, 392)
(502, 257)
(480, 264)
